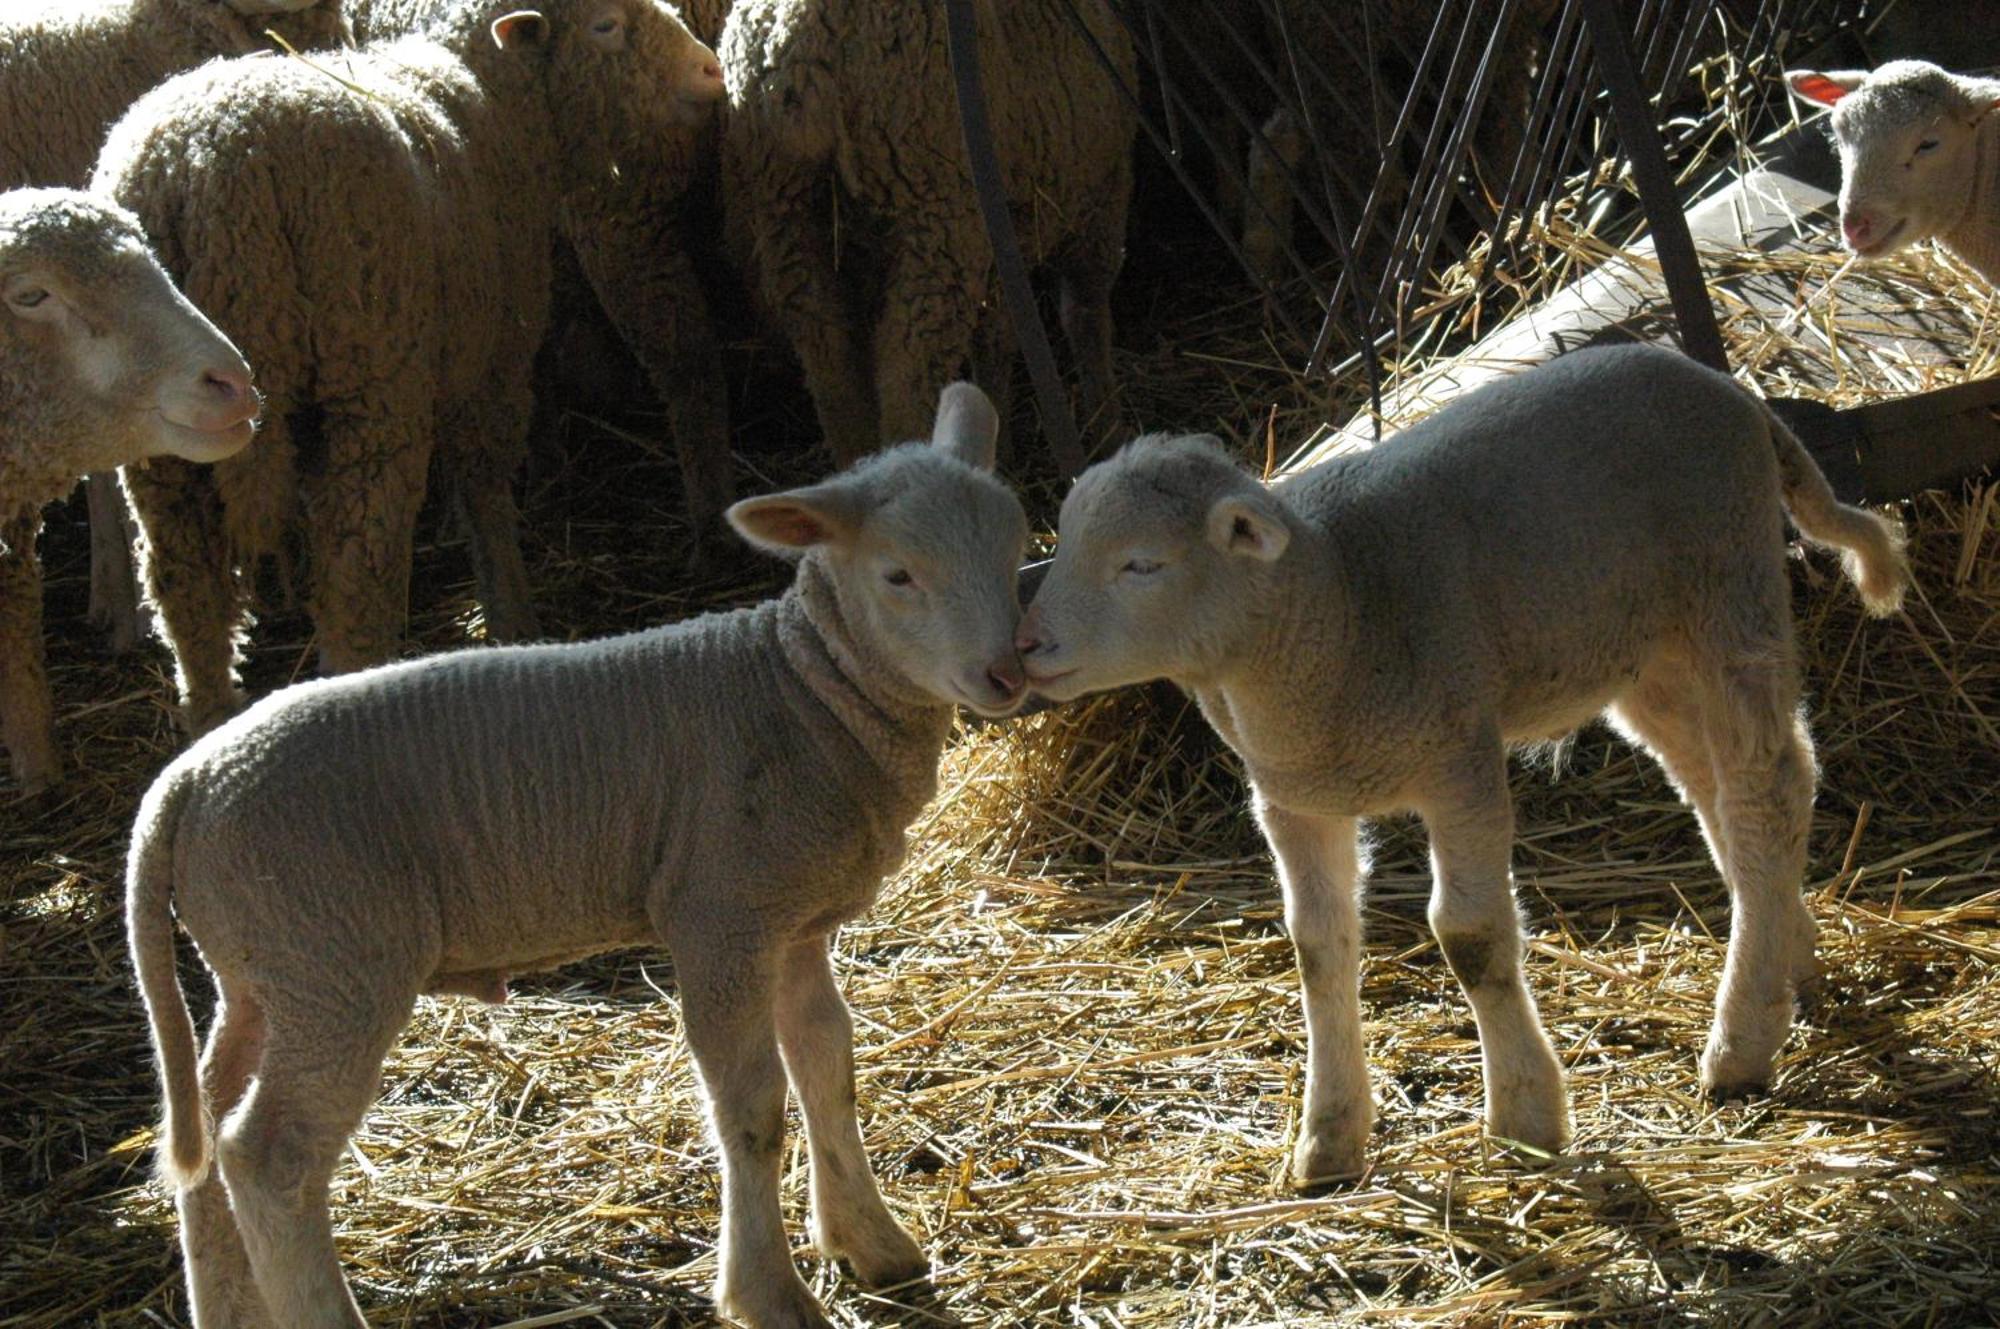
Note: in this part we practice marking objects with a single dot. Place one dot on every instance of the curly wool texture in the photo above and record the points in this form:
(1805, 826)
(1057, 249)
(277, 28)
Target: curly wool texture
(635, 240)
(68, 70)
(379, 331)
(845, 175)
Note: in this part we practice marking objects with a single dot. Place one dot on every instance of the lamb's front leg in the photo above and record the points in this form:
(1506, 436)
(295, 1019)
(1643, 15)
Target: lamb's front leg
(1319, 867)
(726, 1007)
(849, 1219)
(1471, 824)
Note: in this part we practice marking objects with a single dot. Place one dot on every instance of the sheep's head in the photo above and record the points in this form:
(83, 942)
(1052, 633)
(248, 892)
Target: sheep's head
(622, 74)
(1908, 137)
(98, 345)
(240, 27)
(1162, 557)
(921, 544)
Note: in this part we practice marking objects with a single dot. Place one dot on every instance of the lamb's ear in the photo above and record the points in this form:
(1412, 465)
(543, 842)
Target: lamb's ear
(1981, 94)
(797, 519)
(1823, 89)
(967, 425)
(1250, 525)
(522, 28)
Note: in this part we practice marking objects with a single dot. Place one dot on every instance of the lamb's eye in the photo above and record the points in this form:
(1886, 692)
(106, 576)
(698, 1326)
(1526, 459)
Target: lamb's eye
(607, 25)
(1928, 145)
(1142, 567)
(898, 577)
(28, 298)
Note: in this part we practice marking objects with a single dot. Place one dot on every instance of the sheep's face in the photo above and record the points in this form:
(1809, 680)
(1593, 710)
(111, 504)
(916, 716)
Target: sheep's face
(240, 27)
(922, 545)
(623, 74)
(1908, 135)
(1160, 556)
(93, 329)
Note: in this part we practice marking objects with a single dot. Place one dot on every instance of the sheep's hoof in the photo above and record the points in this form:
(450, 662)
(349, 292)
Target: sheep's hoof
(886, 1257)
(781, 1302)
(1539, 1120)
(1731, 1091)
(1322, 1161)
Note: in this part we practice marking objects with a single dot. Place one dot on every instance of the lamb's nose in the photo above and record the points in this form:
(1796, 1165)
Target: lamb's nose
(1858, 228)
(1028, 637)
(1006, 677)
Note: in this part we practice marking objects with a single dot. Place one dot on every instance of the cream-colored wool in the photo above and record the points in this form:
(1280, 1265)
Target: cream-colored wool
(377, 236)
(846, 184)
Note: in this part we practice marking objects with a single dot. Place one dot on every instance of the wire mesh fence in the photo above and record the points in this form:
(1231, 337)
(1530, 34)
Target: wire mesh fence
(1344, 155)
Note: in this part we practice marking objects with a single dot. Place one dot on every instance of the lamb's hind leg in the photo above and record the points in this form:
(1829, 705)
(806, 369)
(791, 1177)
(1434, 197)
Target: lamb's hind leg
(726, 1007)
(817, 1036)
(321, 1065)
(1764, 777)
(1471, 822)
(1319, 868)
(221, 1286)
(1662, 713)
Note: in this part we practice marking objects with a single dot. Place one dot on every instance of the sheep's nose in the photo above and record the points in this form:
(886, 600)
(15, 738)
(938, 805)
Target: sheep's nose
(704, 78)
(1006, 677)
(1858, 227)
(225, 383)
(1028, 637)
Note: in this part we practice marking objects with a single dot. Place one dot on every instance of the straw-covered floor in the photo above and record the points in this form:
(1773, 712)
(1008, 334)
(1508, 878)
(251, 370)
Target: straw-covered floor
(1080, 1044)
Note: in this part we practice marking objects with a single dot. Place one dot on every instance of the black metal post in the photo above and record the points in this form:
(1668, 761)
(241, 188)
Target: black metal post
(1700, 337)
(963, 34)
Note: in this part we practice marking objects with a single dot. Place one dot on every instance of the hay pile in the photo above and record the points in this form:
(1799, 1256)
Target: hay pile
(1080, 1048)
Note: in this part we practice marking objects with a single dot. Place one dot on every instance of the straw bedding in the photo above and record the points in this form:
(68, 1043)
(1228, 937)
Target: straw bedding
(1080, 1047)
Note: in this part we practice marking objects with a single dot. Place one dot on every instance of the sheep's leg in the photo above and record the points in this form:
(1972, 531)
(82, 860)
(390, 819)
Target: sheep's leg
(483, 442)
(993, 370)
(1471, 824)
(1662, 713)
(931, 296)
(801, 287)
(816, 1034)
(27, 709)
(277, 1151)
(727, 1009)
(114, 584)
(1089, 268)
(184, 565)
(361, 519)
(1273, 161)
(1319, 868)
(661, 313)
(221, 1287)
(1764, 788)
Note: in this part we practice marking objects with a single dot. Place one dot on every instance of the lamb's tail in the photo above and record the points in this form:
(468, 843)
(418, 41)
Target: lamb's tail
(149, 927)
(1871, 546)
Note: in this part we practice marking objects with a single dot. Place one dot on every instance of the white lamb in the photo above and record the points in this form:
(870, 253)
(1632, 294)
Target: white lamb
(1597, 536)
(733, 788)
(1919, 158)
(102, 363)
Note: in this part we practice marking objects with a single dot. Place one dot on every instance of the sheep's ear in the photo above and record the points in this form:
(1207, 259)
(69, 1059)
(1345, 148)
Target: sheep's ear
(1252, 527)
(798, 519)
(522, 28)
(1810, 85)
(967, 425)
(1981, 94)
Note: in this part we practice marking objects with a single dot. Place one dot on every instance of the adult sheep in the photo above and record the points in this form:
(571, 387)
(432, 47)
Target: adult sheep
(102, 363)
(845, 178)
(635, 229)
(376, 234)
(1919, 158)
(67, 71)
(1601, 534)
(733, 787)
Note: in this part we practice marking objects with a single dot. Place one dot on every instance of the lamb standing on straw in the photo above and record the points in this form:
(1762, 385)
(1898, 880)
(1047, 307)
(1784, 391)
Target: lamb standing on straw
(1599, 535)
(1919, 158)
(733, 788)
